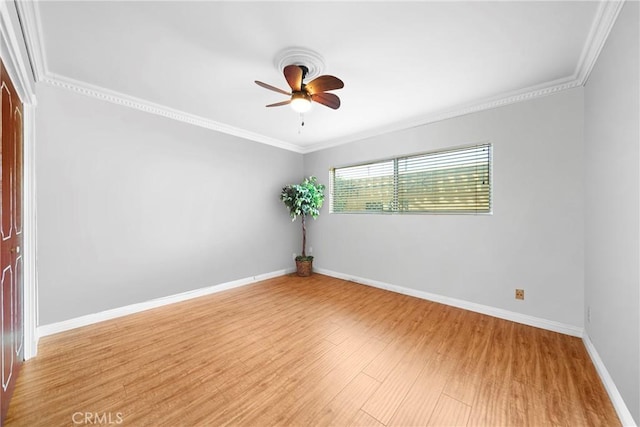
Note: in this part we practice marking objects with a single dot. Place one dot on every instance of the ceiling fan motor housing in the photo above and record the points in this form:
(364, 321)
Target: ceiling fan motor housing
(315, 89)
(303, 94)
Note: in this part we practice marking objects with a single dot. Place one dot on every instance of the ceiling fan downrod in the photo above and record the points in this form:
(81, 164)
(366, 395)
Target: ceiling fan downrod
(305, 71)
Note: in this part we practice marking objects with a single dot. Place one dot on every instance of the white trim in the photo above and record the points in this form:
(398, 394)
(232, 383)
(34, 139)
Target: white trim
(32, 30)
(20, 72)
(601, 27)
(30, 232)
(460, 110)
(525, 319)
(612, 390)
(17, 66)
(32, 26)
(614, 395)
(161, 110)
(604, 20)
(89, 319)
(616, 399)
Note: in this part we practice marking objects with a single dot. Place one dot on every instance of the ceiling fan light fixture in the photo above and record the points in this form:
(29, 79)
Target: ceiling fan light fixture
(303, 94)
(300, 102)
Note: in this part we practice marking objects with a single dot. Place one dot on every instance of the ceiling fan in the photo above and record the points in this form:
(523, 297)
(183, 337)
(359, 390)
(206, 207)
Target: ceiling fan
(302, 94)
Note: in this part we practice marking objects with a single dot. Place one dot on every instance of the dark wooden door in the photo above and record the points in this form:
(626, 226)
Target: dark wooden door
(11, 233)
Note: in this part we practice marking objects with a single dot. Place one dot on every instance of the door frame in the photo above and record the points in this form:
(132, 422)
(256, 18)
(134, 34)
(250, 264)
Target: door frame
(13, 52)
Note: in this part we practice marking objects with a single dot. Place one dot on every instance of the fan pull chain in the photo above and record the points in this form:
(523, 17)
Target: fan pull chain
(301, 123)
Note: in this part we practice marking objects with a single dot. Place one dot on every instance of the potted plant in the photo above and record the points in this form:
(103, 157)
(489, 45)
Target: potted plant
(302, 200)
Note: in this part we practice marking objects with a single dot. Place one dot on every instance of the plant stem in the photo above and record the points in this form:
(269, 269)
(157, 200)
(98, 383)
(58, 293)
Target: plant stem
(304, 237)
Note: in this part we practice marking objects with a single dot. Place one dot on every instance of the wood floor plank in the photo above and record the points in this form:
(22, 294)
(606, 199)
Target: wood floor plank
(338, 336)
(388, 397)
(331, 385)
(272, 406)
(559, 386)
(498, 363)
(363, 419)
(344, 407)
(528, 407)
(423, 396)
(449, 412)
(454, 339)
(588, 385)
(491, 406)
(464, 381)
(310, 351)
(387, 360)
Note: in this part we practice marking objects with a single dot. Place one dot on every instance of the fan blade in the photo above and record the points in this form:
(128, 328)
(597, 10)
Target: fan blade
(293, 74)
(328, 99)
(273, 88)
(277, 104)
(323, 84)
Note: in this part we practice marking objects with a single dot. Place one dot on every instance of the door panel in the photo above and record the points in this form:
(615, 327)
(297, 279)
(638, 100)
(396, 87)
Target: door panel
(17, 168)
(7, 308)
(18, 330)
(11, 295)
(18, 314)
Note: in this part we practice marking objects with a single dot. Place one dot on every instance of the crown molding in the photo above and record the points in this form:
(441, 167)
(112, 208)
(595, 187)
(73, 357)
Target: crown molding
(160, 110)
(461, 110)
(32, 30)
(16, 64)
(606, 16)
(603, 22)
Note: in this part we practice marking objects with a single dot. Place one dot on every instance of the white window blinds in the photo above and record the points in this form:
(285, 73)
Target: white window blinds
(450, 181)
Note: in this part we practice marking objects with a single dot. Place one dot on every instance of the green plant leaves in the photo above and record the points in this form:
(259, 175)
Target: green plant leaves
(304, 199)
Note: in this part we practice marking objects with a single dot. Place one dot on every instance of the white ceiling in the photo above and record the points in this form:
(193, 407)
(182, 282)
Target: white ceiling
(403, 63)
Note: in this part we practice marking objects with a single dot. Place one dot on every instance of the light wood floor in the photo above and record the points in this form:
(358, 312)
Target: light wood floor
(310, 351)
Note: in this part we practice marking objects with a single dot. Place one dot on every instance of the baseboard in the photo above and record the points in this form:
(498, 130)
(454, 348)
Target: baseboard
(89, 319)
(467, 305)
(616, 399)
(612, 390)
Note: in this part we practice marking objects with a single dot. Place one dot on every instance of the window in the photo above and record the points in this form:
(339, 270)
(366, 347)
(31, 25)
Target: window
(450, 181)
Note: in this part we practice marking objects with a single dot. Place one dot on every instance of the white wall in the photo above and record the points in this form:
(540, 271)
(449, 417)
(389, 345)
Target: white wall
(533, 240)
(612, 207)
(133, 206)
(16, 61)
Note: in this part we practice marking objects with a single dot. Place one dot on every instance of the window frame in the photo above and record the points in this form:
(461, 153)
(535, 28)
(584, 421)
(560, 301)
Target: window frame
(395, 160)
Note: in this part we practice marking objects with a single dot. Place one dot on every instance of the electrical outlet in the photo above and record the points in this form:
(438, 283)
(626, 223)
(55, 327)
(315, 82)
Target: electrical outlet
(293, 256)
(520, 294)
(310, 249)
